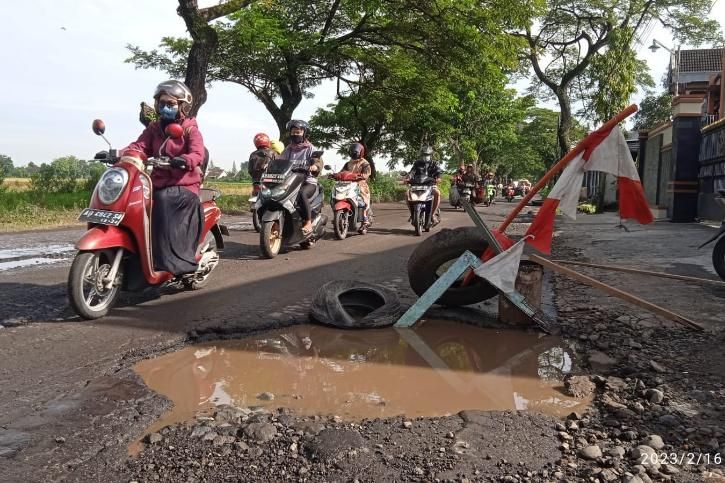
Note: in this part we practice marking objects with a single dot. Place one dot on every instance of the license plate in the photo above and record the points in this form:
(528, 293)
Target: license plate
(271, 178)
(419, 188)
(102, 217)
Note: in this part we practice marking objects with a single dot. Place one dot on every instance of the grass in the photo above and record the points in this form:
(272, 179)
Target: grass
(588, 208)
(23, 210)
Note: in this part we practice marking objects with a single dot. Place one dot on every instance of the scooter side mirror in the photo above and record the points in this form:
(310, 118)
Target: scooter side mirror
(99, 127)
(328, 167)
(174, 131)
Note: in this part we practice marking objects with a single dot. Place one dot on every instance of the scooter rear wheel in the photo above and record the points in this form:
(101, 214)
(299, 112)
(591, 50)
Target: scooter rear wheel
(86, 294)
(208, 250)
(270, 238)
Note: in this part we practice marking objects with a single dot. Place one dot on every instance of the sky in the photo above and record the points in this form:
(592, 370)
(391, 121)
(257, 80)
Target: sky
(63, 66)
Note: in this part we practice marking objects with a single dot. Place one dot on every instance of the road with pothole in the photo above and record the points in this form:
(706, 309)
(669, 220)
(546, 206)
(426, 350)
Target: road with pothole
(68, 396)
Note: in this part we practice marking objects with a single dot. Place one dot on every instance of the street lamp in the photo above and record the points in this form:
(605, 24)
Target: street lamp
(655, 47)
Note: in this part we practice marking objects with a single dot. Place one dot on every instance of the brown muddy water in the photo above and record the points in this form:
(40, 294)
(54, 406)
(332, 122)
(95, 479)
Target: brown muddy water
(437, 368)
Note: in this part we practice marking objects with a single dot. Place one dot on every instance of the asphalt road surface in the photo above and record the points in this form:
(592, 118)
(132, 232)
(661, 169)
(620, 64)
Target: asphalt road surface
(66, 396)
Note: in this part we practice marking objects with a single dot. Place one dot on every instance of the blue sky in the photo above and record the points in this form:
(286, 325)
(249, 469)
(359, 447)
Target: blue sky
(63, 66)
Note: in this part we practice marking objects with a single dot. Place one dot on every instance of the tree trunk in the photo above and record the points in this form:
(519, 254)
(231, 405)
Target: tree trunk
(565, 121)
(204, 44)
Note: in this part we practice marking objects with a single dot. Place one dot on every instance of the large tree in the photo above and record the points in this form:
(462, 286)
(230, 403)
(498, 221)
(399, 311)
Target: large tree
(281, 49)
(570, 34)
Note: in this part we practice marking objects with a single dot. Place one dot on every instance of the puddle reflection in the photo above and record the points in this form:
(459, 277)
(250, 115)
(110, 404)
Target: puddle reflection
(438, 368)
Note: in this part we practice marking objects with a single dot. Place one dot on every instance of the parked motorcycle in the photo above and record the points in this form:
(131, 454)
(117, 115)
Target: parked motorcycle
(115, 253)
(256, 187)
(718, 253)
(347, 204)
(509, 193)
(420, 195)
(279, 216)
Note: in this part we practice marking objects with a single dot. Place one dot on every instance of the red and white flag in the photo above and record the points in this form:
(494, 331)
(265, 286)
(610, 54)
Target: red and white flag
(608, 152)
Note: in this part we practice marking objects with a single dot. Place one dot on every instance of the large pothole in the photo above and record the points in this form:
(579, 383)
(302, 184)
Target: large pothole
(437, 368)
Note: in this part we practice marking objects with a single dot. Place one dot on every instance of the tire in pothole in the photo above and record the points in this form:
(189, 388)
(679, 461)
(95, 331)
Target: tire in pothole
(350, 304)
(435, 254)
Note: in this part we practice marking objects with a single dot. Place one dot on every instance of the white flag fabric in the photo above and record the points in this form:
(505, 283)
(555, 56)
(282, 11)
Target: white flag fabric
(501, 271)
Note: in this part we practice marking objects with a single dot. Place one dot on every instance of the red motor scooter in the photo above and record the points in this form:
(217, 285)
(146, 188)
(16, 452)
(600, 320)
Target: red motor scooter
(116, 252)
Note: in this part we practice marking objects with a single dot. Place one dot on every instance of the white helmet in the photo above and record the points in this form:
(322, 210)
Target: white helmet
(176, 89)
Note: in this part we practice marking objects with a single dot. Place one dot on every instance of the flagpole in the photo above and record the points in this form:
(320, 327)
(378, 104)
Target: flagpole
(583, 144)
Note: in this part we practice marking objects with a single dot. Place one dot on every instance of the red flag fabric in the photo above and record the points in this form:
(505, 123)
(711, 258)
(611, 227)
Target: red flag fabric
(608, 153)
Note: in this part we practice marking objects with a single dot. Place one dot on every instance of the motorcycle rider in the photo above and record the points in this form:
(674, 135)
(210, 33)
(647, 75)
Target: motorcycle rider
(470, 176)
(277, 146)
(177, 218)
(425, 166)
(260, 157)
(299, 151)
(360, 166)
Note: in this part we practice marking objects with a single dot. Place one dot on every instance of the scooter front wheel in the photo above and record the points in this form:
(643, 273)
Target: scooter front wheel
(88, 295)
(270, 238)
(255, 221)
(341, 224)
(418, 220)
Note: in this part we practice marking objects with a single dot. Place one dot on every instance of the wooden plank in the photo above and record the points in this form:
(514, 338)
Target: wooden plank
(615, 268)
(656, 309)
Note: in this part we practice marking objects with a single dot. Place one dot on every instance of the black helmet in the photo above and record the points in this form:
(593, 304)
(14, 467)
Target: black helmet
(298, 124)
(176, 89)
(356, 150)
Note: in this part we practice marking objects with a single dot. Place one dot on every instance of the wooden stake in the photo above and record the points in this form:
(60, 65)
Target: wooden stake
(613, 268)
(656, 309)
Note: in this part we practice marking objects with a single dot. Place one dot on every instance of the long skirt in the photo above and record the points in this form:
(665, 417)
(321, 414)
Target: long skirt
(177, 221)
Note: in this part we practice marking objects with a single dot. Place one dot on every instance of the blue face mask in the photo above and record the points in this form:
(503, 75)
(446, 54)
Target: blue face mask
(168, 113)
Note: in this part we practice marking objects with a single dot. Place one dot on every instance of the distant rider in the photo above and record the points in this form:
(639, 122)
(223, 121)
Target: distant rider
(260, 157)
(360, 166)
(300, 152)
(425, 167)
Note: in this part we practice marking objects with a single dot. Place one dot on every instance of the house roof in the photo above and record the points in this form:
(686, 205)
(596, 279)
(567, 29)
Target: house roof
(701, 60)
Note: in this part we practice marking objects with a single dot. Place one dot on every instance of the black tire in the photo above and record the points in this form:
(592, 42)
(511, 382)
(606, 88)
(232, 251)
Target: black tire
(718, 257)
(350, 304)
(440, 249)
(341, 224)
(255, 221)
(418, 220)
(76, 278)
(270, 249)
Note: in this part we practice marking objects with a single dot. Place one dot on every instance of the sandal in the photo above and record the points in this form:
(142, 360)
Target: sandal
(306, 231)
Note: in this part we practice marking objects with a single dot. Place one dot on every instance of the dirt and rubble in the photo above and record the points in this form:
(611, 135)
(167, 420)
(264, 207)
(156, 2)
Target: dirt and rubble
(658, 415)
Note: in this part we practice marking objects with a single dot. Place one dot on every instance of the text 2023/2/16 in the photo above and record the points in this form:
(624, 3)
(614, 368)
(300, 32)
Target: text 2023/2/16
(681, 458)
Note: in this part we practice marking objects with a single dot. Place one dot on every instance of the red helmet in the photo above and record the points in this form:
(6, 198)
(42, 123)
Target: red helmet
(261, 140)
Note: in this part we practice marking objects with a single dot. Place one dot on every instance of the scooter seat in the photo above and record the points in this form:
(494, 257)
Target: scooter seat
(207, 194)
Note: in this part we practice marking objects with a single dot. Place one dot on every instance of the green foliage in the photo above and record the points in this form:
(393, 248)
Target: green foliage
(614, 76)
(588, 208)
(564, 42)
(95, 170)
(25, 209)
(655, 109)
(6, 168)
(535, 148)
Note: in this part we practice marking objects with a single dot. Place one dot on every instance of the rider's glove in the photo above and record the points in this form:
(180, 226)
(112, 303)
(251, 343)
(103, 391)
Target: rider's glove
(101, 155)
(178, 163)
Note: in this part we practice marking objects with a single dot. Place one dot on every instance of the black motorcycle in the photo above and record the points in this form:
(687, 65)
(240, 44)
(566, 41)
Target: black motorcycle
(279, 215)
(718, 253)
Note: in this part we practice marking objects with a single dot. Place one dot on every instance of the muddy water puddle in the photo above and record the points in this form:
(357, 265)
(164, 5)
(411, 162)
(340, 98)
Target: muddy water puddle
(437, 368)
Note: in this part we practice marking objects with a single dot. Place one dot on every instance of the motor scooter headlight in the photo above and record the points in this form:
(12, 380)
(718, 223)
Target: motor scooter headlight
(111, 185)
